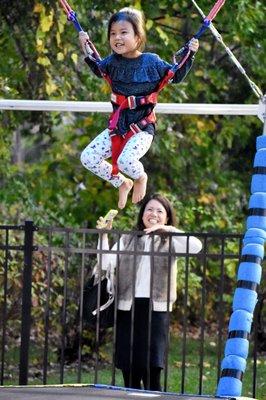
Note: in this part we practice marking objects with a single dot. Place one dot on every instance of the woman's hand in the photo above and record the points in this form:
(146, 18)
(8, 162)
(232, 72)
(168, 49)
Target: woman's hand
(162, 228)
(103, 224)
(106, 222)
(193, 45)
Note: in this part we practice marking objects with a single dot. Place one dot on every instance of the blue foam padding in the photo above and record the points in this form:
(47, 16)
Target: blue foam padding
(234, 362)
(248, 271)
(256, 221)
(236, 349)
(253, 239)
(253, 249)
(240, 320)
(260, 158)
(258, 183)
(237, 346)
(245, 299)
(254, 232)
(229, 387)
(261, 142)
(254, 235)
(257, 200)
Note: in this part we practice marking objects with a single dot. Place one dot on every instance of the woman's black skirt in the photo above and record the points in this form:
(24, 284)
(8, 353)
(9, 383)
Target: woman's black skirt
(158, 338)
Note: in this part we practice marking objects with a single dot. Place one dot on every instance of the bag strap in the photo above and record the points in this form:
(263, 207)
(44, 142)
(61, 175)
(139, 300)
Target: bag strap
(104, 306)
(110, 287)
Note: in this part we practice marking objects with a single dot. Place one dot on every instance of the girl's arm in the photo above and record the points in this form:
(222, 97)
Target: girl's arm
(181, 73)
(184, 70)
(94, 67)
(83, 38)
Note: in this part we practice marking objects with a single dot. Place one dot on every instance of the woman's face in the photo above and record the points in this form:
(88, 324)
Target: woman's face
(154, 214)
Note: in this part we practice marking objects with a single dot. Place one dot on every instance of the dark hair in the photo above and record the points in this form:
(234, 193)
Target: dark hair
(136, 18)
(171, 218)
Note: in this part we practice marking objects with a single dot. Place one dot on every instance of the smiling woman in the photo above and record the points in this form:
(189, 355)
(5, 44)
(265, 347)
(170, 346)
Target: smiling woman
(154, 214)
(146, 287)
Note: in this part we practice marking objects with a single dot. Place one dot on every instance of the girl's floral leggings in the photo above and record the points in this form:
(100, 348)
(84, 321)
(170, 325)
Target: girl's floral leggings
(94, 155)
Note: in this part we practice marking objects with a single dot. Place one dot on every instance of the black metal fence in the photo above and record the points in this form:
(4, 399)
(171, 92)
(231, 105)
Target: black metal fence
(45, 340)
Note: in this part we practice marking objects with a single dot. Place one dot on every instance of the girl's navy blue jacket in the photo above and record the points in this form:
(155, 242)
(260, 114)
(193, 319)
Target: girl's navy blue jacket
(138, 76)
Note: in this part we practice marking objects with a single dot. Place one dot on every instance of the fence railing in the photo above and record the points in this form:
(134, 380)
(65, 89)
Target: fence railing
(44, 338)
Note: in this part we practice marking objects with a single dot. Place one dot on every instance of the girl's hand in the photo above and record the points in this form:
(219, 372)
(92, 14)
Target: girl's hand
(193, 45)
(83, 39)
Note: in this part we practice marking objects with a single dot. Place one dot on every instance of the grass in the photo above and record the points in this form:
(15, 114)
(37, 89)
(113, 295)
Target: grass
(174, 379)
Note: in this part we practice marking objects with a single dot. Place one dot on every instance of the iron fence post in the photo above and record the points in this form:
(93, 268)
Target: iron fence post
(26, 303)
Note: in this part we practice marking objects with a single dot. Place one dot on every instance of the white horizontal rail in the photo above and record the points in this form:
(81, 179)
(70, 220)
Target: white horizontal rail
(105, 107)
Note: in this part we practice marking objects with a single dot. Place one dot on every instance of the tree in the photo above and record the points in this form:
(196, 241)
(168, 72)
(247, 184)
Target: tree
(208, 157)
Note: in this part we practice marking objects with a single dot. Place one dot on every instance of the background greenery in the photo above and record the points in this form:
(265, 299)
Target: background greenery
(203, 162)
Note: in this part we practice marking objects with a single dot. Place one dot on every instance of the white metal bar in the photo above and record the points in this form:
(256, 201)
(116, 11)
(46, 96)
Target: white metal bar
(105, 107)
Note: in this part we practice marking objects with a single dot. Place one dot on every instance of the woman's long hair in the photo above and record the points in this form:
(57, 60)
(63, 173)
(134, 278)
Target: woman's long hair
(171, 218)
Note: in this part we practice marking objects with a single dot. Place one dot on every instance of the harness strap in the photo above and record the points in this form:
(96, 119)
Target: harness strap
(130, 102)
(170, 74)
(141, 125)
(135, 101)
(119, 141)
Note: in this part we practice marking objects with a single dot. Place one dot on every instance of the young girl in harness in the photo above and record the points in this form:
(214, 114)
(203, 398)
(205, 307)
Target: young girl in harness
(135, 79)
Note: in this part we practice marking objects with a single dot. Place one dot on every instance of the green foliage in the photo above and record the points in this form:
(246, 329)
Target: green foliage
(208, 158)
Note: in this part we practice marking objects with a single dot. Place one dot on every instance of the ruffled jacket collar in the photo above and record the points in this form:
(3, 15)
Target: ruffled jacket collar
(148, 67)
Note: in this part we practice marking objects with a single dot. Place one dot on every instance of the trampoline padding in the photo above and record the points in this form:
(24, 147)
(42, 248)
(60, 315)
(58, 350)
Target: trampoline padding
(90, 392)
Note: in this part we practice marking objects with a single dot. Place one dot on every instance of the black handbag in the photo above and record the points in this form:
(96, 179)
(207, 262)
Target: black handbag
(105, 315)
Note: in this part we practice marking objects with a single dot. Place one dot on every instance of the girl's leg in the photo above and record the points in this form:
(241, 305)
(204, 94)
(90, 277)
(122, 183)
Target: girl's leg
(93, 158)
(128, 162)
(94, 155)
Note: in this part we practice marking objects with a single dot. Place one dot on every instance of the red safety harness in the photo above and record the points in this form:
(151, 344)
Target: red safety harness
(119, 141)
(131, 102)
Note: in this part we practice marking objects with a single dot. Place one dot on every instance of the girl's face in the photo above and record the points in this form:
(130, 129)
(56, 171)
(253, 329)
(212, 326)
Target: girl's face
(154, 214)
(123, 39)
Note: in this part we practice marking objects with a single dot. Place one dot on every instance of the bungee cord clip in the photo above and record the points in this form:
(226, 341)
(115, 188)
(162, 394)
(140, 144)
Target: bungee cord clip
(205, 25)
(72, 17)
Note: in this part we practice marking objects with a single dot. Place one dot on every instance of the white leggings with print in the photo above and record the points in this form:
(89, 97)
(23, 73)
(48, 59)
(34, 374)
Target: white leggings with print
(94, 155)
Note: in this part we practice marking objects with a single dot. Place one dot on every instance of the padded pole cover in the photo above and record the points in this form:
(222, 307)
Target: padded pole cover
(248, 279)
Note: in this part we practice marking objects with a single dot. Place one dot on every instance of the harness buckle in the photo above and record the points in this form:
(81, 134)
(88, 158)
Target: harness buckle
(132, 102)
(134, 128)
